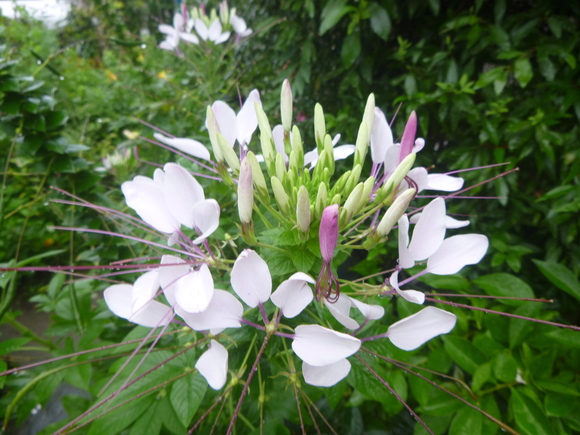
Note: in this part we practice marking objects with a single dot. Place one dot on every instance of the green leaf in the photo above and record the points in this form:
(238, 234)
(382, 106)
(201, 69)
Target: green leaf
(530, 419)
(566, 337)
(505, 367)
(279, 263)
(465, 354)
(3, 367)
(503, 284)
(560, 276)
(558, 405)
(481, 375)
(186, 396)
(350, 49)
(523, 71)
(8, 346)
(467, 421)
(303, 259)
(490, 76)
(333, 11)
(520, 328)
(121, 418)
(380, 20)
(446, 282)
(547, 67)
(56, 119)
(555, 27)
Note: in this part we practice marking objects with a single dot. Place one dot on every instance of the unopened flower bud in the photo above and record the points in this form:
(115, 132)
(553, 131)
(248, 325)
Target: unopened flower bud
(369, 115)
(351, 206)
(397, 176)
(263, 120)
(352, 180)
(245, 192)
(328, 234)
(319, 127)
(228, 153)
(408, 138)
(303, 210)
(213, 130)
(257, 175)
(280, 167)
(329, 149)
(224, 12)
(280, 195)
(286, 106)
(321, 200)
(395, 211)
(362, 144)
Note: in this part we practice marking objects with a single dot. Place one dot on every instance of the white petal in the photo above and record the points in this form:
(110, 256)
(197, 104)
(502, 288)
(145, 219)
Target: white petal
(189, 37)
(340, 310)
(145, 196)
(372, 312)
(392, 158)
(405, 258)
(325, 376)
(411, 332)
(444, 182)
(420, 177)
(409, 295)
(278, 136)
(238, 24)
(170, 275)
(381, 137)
(311, 157)
(429, 232)
(419, 145)
(226, 121)
(457, 252)
(293, 295)
(152, 315)
(222, 38)
(178, 21)
(343, 151)
(251, 279)
(201, 29)
(167, 29)
(193, 292)
(450, 223)
(119, 299)
(215, 30)
(213, 365)
(247, 119)
(206, 216)
(182, 192)
(189, 146)
(224, 311)
(144, 289)
(319, 346)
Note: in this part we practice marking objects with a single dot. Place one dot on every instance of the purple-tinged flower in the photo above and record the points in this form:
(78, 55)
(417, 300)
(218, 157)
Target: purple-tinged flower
(213, 32)
(175, 33)
(238, 127)
(327, 286)
(245, 192)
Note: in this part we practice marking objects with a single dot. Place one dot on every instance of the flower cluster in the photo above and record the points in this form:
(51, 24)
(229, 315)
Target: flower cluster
(201, 28)
(318, 213)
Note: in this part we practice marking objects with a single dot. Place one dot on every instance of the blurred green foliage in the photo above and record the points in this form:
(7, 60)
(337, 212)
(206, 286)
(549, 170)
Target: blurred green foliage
(491, 82)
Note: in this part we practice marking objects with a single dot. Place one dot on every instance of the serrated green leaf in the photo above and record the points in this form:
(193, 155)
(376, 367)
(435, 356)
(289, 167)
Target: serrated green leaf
(303, 260)
(560, 276)
(503, 284)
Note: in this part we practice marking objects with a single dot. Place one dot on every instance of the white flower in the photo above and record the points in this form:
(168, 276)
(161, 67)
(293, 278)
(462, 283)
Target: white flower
(171, 199)
(213, 33)
(188, 146)
(175, 33)
(239, 26)
(238, 127)
(213, 365)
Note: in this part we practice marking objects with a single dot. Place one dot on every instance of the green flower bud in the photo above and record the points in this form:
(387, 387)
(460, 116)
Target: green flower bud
(224, 13)
(341, 182)
(369, 115)
(319, 127)
(303, 210)
(397, 176)
(213, 130)
(280, 167)
(352, 202)
(257, 175)
(368, 188)
(286, 106)
(228, 152)
(321, 200)
(328, 147)
(280, 195)
(336, 199)
(263, 120)
(352, 180)
(362, 144)
(395, 211)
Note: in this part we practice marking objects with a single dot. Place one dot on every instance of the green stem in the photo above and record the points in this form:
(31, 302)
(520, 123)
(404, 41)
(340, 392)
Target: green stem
(27, 332)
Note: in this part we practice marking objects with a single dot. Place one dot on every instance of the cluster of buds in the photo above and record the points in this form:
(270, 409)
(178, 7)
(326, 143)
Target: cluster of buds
(199, 27)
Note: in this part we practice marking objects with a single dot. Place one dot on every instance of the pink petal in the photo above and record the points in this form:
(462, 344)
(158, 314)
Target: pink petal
(319, 346)
(325, 376)
(193, 292)
(251, 279)
(429, 232)
(411, 332)
(457, 252)
(293, 295)
(213, 365)
(408, 138)
(189, 146)
(224, 311)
